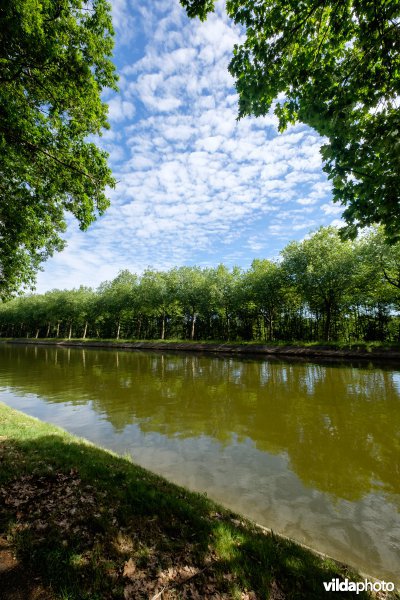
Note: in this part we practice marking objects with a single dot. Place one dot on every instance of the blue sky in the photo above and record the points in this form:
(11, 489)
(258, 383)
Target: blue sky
(195, 187)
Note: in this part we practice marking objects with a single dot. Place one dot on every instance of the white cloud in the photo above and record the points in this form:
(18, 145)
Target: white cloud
(194, 185)
(307, 201)
(124, 21)
(332, 209)
(337, 223)
(119, 110)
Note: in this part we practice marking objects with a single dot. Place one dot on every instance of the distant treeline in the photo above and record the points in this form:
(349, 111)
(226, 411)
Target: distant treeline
(322, 288)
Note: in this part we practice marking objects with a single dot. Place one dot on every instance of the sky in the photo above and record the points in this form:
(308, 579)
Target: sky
(194, 185)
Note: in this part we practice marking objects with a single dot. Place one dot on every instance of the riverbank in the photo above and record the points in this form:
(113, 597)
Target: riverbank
(367, 350)
(79, 522)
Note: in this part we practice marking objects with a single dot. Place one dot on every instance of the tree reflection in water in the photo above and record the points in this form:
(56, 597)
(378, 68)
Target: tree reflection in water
(310, 449)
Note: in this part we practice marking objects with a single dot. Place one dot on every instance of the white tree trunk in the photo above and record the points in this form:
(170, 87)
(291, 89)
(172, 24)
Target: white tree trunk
(163, 327)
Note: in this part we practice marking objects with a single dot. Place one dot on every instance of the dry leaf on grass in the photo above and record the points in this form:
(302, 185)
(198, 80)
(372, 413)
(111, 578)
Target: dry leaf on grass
(130, 569)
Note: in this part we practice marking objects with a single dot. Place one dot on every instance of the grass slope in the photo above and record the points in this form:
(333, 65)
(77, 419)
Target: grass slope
(87, 524)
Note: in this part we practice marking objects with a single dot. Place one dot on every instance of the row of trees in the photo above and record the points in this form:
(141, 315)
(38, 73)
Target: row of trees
(321, 288)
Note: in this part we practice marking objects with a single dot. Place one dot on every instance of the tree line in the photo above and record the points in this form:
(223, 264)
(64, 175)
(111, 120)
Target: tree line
(322, 288)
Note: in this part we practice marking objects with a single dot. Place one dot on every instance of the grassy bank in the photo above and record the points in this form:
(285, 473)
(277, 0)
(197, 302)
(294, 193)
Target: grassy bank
(84, 523)
(294, 348)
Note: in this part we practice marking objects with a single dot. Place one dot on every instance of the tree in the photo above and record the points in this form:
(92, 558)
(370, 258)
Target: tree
(117, 299)
(224, 286)
(265, 280)
(384, 257)
(54, 64)
(337, 64)
(192, 293)
(156, 297)
(322, 268)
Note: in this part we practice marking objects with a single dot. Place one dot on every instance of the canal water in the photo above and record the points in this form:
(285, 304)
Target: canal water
(309, 449)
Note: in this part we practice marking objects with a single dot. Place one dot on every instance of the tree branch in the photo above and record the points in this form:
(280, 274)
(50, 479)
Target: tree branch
(389, 279)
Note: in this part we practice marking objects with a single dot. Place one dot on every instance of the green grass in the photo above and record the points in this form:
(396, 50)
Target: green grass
(92, 525)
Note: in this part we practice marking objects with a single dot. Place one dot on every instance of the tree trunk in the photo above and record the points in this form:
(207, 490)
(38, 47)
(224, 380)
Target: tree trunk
(271, 325)
(58, 329)
(118, 328)
(37, 334)
(48, 330)
(85, 330)
(317, 333)
(70, 331)
(228, 325)
(258, 328)
(327, 328)
(193, 324)
(163, 327)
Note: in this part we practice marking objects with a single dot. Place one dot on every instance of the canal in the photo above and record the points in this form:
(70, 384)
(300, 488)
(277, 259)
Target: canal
(308, 449)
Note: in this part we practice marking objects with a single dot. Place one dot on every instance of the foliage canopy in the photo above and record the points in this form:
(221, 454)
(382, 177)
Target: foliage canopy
(54, 63)
(337, 64)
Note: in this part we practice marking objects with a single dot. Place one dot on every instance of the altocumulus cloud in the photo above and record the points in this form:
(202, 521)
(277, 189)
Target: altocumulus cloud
(194, 185)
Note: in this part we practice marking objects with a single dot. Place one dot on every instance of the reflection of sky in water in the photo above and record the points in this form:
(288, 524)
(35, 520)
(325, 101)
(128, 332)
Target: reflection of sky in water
(258, 484)
(396, 380)
(276, 462)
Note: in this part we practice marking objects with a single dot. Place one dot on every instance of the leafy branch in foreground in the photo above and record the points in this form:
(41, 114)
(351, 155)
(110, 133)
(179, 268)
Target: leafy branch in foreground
(337, 64)
(54, 64)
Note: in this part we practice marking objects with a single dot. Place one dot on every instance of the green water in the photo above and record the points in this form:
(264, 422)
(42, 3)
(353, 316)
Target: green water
(311, 450)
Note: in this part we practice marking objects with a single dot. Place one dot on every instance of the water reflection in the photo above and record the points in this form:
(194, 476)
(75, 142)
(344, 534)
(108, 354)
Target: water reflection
(294, 439)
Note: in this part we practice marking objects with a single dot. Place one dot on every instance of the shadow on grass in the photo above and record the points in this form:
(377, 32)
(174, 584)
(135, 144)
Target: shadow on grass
(94, 525)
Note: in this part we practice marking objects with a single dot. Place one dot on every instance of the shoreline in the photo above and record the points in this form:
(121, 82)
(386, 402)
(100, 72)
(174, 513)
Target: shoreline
(190, 542)
(287, 350)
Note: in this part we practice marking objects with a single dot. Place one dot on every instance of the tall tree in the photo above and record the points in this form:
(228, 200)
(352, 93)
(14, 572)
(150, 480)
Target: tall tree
(192, 292)
(117, 299)
(156, 297)
(75, 308)
(337, 67)
(54, 64)
(384, 257)
(322, 268)
(265, 280)
(224, 286)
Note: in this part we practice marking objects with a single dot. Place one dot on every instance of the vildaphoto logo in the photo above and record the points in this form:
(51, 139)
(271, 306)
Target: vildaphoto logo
(336, 585)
